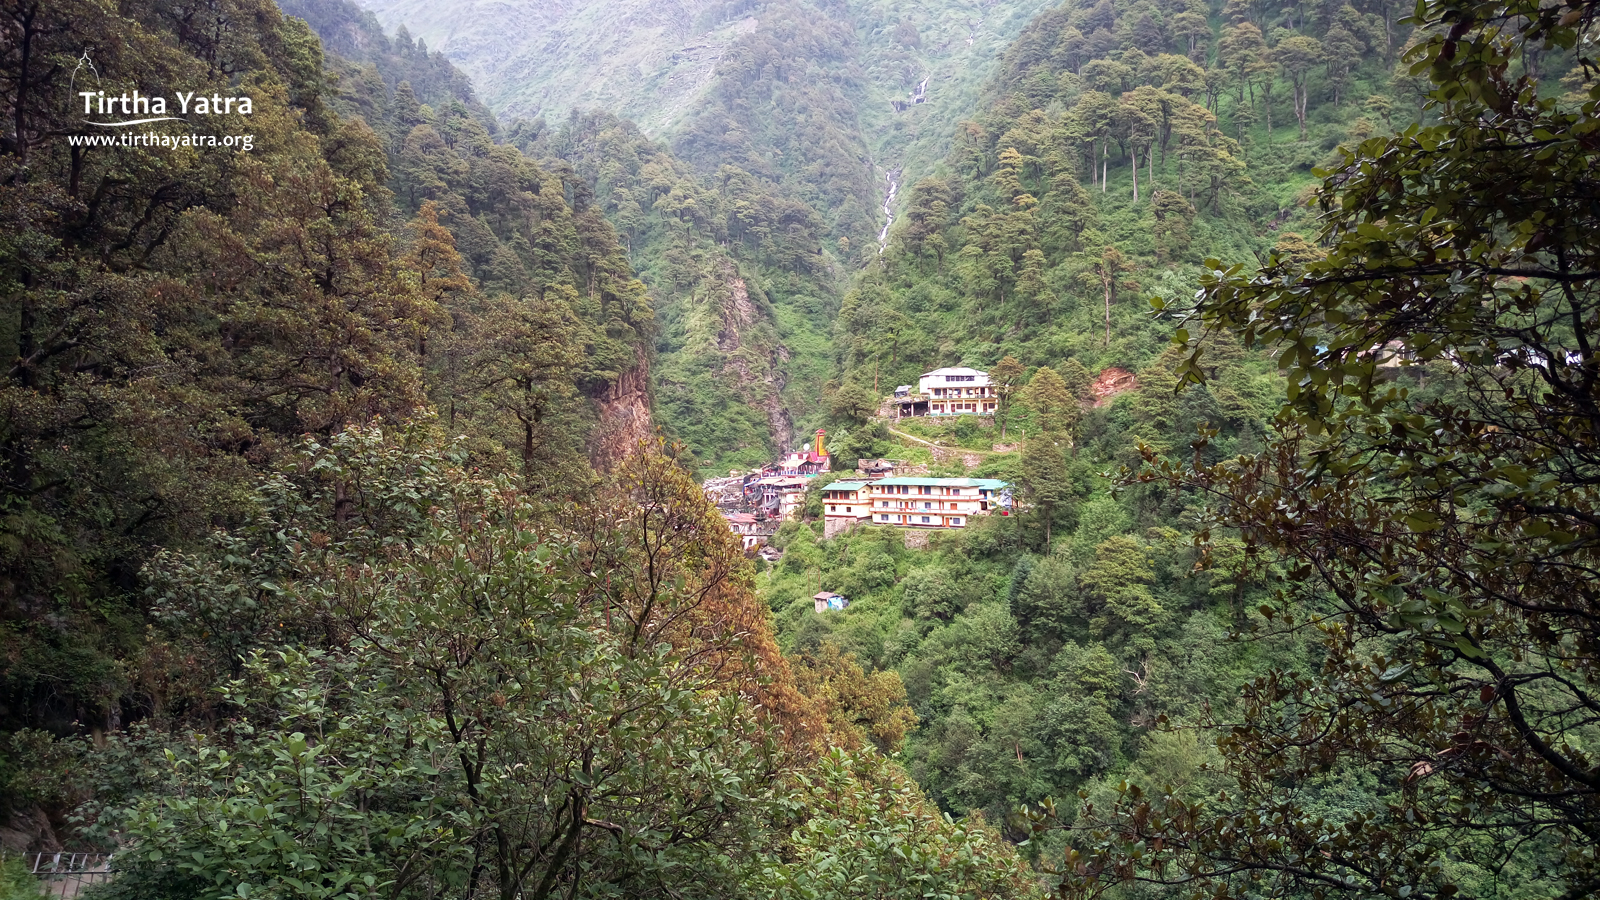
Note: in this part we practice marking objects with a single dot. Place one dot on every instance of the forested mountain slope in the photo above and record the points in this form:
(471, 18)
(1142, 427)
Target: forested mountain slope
(661, 64)
(1119, 146)
(745, 297)
(808, 103)
(324, 573)
(183, 317)
(1043, 238)
(334, 562)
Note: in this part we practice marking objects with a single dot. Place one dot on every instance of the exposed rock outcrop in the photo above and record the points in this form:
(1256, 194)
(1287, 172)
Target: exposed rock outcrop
(1111, 382)
(625, 420)
(763, 388)
(28, 830)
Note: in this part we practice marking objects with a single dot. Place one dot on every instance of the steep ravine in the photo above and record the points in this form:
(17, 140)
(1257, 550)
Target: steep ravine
(888, 207)
(764, 387)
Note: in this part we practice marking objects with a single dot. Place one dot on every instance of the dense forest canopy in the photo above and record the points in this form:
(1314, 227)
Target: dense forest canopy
(314, 586)
(180, 318)
(1405, 706)
(339, 557)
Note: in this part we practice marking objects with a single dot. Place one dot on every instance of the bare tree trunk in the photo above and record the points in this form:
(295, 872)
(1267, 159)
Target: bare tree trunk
(1300, 93)
(1108, 311)
(1136, 174)
(1269, 111)
(26, 57)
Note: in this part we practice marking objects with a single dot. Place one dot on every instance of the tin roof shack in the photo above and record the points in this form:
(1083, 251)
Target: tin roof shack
(752, 532)
(877, 468)
(909, 405)
(828, 600)
(782, 495)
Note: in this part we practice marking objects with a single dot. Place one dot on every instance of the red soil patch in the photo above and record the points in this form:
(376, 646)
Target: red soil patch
(1111, 382)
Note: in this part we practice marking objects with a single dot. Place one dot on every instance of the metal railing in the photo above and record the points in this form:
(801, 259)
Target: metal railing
(63, 875)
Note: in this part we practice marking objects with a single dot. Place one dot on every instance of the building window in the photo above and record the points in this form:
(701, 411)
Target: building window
(955, 521)
(927, 506)
(833, 509)
(926, 520)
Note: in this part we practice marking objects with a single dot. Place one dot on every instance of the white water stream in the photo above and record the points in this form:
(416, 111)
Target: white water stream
(888, 207)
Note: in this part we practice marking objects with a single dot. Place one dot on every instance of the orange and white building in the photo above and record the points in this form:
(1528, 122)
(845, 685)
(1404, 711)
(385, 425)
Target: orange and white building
(934, 502)
(844, 504)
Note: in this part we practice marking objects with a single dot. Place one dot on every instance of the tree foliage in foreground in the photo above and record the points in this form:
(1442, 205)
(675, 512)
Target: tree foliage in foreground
(175, 320)
(1433, 481)
(448, 689)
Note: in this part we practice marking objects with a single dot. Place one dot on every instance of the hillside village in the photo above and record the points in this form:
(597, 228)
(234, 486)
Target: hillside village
(885, 492)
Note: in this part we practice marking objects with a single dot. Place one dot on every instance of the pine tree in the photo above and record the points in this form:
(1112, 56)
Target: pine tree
(1052, 405)
(1004, 376)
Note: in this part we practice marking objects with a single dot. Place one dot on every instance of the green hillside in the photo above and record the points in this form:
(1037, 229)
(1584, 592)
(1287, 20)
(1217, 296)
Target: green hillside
(1112, 153)
(1118, 147)
(800, 99)
(340, 557)
(743, 296)
(353, 534)
(655, 64)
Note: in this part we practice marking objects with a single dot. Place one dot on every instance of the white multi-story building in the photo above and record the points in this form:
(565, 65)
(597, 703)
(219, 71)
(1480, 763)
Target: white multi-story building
(935, 502)
(958, 391)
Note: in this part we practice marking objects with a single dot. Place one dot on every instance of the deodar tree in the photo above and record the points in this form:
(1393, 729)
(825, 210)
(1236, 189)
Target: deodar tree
(1434, 483)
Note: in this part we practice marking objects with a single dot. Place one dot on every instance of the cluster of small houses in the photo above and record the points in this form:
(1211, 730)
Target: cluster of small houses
(880, 492)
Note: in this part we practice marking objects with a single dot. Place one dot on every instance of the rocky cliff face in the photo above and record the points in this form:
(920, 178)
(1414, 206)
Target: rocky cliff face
(761, 386)
(625, 420)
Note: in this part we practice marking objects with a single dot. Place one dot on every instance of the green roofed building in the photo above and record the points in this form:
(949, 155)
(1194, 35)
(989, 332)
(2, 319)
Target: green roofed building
(844, 503)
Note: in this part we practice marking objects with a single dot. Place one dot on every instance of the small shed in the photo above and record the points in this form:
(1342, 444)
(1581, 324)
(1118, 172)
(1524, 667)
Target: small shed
(827, 600)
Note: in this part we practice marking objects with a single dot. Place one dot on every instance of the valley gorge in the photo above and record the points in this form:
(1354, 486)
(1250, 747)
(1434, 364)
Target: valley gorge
(799, 449)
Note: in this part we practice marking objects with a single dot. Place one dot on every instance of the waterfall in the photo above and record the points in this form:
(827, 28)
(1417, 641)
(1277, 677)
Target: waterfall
(888, 207)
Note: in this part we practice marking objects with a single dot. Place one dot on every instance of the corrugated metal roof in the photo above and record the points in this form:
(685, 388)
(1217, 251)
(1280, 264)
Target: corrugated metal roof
(845, 486)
